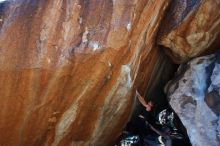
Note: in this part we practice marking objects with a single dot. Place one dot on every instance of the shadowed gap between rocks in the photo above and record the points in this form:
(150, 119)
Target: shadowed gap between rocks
(163, 72)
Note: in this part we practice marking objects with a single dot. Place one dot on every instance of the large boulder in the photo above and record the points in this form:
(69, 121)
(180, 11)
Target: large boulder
(195, 96)
(189, 28)
(68, 68)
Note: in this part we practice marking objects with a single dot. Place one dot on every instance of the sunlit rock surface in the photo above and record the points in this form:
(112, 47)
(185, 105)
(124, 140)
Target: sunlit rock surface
(68, 68)
(190, 27)
(195, 96)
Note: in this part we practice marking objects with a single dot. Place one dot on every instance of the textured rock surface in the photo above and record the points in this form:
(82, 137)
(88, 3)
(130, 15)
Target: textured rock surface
(195, 96)
(68, 68)
(190, 27)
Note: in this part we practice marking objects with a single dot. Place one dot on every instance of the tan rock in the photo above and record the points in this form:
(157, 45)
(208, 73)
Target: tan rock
(190, 28)
(68, 69)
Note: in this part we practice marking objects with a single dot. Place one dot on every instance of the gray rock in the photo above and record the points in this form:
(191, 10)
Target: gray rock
(194, 94)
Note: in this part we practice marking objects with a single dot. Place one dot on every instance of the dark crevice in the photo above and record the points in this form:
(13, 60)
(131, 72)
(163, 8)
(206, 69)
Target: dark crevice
(155, 92)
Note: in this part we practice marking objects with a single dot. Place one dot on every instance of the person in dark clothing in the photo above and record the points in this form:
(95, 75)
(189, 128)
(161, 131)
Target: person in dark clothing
(137, 126)
(165, 133)
(155, 123)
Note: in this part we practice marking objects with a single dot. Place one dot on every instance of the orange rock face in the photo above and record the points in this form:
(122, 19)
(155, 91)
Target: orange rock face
(190, 27)
(68, 68)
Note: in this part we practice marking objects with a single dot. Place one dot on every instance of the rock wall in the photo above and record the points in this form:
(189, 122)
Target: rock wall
(68, 68)
(195, 96)
(189, 28)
